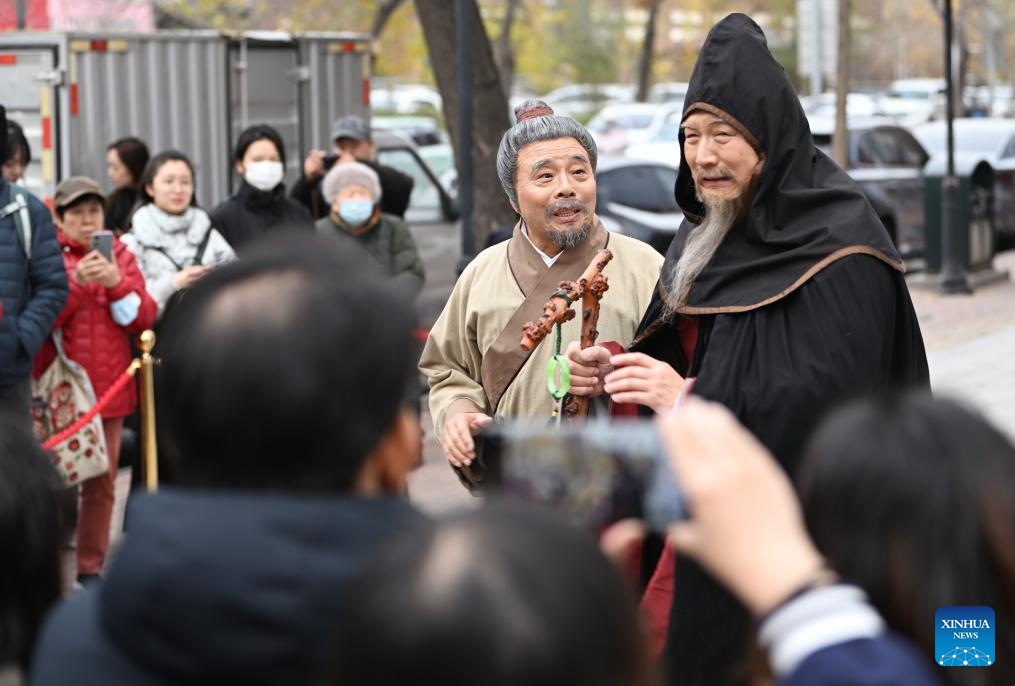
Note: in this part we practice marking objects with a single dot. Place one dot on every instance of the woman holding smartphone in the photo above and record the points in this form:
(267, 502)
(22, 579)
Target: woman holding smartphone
(172, 238)
(106, 303)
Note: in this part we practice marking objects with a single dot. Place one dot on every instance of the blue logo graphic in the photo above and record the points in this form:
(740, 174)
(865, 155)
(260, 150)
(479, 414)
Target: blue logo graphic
(964, 636)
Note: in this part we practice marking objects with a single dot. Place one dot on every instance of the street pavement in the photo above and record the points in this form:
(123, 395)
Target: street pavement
(970, 343)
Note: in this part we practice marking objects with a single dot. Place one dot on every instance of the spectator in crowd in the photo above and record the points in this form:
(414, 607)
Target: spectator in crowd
(353, 142)
(353, 191)
(125, 162)
(910, 498)
(172, 238)
(260, 203)
(502, 596)
(107, 303)
(33, 287)
(32, 534)
(19, 153)
(279, 393)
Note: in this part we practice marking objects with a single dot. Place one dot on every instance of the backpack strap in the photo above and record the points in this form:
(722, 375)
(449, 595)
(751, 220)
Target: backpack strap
(202, 246)
(17, 204)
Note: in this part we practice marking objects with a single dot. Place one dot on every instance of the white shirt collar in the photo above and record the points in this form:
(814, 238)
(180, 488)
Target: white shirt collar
(547, 260)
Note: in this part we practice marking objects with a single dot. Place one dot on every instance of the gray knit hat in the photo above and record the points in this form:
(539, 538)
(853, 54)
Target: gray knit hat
(346, 173)
(537, 122)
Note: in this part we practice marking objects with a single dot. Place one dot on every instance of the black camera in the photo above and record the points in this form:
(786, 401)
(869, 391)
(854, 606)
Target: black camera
(329, 160)
(595, 473)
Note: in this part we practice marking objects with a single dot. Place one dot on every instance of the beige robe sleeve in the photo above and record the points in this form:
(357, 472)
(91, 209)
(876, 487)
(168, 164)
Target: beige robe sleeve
(452, 359)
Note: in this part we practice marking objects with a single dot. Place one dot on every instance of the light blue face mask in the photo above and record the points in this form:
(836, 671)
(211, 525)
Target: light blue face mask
(356, 212)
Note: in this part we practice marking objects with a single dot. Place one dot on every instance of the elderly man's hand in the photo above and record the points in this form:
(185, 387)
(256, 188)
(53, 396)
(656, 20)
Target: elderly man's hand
(643, 380)
(588, 367)
(456, 438)
(745, 522)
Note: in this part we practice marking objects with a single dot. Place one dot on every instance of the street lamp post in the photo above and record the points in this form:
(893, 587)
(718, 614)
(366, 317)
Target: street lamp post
(953, 269)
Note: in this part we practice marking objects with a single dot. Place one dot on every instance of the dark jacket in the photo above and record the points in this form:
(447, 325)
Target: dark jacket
(250, 213)
(218, 588)
(396, 191)
(119, 205)
(391, 245)
(887, 660)
(802, 307)
(33, 294)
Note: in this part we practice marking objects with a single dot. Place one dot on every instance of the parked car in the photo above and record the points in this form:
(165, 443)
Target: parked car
(914, 101)
(432, 218)
(887, 163)
(405, 98)
(635, 198)
(664, 93)
(661, 143)
(991, 139)
(581, 101)
(421, 129)
(619, 125)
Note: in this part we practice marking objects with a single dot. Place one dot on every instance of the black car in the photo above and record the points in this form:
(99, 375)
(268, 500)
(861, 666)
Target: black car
(635, 197)
(887, 162)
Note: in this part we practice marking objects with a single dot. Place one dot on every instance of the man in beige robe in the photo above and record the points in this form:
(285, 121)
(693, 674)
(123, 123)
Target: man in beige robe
(472, 359)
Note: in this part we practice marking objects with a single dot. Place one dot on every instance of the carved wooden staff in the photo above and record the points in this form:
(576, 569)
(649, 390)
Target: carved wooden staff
(590, 287)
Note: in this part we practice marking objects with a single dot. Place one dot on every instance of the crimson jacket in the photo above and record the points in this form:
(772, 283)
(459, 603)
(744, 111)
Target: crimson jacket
(90, 335)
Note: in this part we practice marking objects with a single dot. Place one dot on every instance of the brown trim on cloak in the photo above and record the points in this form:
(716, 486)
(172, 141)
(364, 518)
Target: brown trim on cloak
(807, 276)
(505, 357)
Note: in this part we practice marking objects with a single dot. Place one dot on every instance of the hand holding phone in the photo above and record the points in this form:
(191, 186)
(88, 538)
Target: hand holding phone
(595, 473)
(102, 243)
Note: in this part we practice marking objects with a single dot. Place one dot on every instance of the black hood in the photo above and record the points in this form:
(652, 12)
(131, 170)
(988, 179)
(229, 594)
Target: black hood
(241, 588)
(806, 212)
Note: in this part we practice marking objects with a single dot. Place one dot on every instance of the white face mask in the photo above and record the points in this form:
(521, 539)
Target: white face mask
(264, 176)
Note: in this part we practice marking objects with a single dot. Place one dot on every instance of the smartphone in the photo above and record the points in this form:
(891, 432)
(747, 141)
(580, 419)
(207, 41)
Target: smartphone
(102, 241)
(595, 473)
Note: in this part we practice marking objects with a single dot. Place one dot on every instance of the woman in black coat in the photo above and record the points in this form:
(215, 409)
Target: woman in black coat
(260, 204)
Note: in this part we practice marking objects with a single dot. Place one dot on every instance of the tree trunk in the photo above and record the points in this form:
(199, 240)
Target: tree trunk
(489, 108)
(505, 54)
(385, 8)
(647, 52)
(840, 141)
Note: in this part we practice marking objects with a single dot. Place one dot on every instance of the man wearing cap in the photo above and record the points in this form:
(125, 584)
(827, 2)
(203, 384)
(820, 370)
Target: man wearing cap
(106, 304)
(473, 359)
(353, 142)
(782, 295)
(33, 287)
(353, 192)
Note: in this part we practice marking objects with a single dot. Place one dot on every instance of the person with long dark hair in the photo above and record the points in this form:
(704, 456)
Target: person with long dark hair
(125, 162)
(32, 533)
(260, 204)
(910, 498)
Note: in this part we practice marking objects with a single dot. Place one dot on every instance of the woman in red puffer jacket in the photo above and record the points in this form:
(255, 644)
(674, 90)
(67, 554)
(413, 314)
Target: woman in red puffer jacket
(106, 303)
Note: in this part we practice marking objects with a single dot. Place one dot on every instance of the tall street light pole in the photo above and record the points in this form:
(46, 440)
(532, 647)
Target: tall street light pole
(953, 269)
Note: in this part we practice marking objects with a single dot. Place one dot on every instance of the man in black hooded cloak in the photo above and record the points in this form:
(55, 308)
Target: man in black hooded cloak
(781, 295)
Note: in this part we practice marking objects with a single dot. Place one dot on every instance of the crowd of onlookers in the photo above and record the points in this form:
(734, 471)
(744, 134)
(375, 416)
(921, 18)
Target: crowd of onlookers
(284, 551)
(76, 301)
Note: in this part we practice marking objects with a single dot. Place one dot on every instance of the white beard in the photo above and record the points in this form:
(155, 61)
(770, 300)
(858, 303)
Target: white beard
(700, 247)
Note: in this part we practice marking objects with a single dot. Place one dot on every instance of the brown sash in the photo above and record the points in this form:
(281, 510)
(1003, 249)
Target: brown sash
(505, 357)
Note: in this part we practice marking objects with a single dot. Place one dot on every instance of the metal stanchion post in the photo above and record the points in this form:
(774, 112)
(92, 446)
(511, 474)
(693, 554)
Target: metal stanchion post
(149, 451)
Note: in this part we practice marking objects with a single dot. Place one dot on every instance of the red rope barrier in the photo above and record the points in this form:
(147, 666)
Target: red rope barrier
(106, 398)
